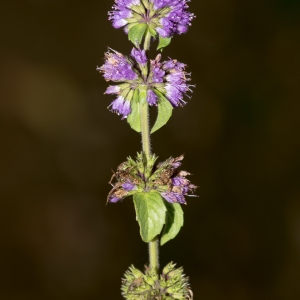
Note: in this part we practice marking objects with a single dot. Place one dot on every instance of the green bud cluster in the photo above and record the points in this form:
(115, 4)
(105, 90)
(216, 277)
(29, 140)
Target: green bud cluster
(171, 284)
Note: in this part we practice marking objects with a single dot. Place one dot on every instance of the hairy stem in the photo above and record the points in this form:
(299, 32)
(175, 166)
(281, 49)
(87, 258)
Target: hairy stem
(154, 254)
(153, 245)
(144, 109)
(145, 129)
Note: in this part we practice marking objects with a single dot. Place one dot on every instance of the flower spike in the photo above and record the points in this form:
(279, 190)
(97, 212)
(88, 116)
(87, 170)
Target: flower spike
(157, 189)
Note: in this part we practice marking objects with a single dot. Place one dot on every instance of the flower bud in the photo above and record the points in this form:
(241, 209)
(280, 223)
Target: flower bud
(136, 272)
(149, 280)
(169, 267)
(178, 296)
(175, 273)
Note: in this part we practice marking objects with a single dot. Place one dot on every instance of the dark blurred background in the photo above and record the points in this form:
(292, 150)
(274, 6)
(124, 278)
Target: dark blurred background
(239, 132)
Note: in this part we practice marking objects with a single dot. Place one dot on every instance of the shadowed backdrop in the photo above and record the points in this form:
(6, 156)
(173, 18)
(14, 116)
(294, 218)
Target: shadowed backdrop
(59, 143)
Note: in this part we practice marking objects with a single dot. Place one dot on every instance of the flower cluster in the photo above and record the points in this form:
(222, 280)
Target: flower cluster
(166, 79)
(171, 284)
(169, 79)
(141, 176)
(163, 17)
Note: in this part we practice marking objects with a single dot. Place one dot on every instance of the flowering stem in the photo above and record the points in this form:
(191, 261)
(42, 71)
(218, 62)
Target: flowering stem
(145, 130)
(153, 245)
(144, 109)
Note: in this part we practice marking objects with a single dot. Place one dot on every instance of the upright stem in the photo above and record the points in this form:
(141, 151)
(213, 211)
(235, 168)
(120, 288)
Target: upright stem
(154, 254)
(145, 129)
(144, 110)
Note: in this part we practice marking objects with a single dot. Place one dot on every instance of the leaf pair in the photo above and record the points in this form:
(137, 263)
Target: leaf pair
(139, 98)
(153, 212)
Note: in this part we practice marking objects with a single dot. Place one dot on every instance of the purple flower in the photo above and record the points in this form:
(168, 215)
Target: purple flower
(175, 81)
(177, 20)
(151, 97)
(126, 110)
(180, 198)
(174, 77)
(121, 107)
(172, 65)
(174, 95)
(117, 105)
(163, 32)
(157, 72)
(139, 56)
(128, 186)
(179, 181)
(176, 164)
(180, 188)
(113, 89)
(117, 67)
(170, 197)
(181, 185)
(174, 197)
(158, 75)
(169, 64)
(114, 199)
(119, 17)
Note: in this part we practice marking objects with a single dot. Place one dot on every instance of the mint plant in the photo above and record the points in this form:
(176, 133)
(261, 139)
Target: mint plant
(158, 188)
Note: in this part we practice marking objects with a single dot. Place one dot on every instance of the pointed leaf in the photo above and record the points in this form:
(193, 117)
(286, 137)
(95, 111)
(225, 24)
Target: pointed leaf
(163, 42)
(134, 118)
(174, 222)
(130, 25)
(136, 33)
(164, 113)
(150, 214)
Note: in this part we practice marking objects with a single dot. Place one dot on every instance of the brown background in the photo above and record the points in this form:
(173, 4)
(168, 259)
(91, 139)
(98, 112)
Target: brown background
(240, 134)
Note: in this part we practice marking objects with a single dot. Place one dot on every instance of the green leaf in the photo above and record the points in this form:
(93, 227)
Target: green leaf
(136, 33)
(130, 25)
(163, 42)
(174, 222)
(134, 118)
(150, 214)
(164, 112)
